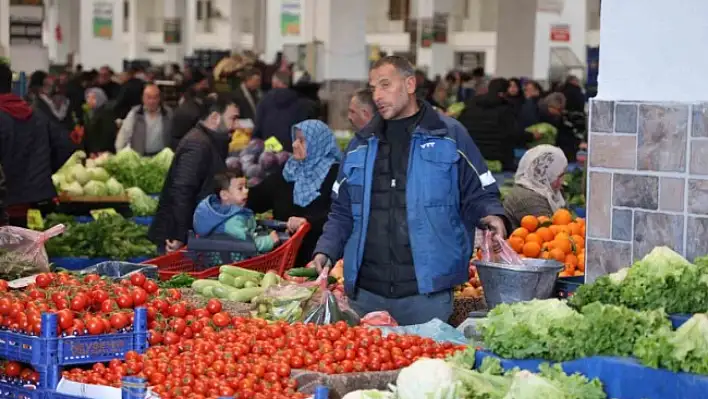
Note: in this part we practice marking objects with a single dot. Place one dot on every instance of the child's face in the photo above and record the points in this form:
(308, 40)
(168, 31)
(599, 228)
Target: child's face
(237, 194)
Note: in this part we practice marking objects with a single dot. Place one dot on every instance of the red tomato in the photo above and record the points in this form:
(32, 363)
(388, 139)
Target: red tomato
(138, 279)
(214, 306)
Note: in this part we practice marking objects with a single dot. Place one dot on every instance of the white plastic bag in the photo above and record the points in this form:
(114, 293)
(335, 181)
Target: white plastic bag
(22, 251)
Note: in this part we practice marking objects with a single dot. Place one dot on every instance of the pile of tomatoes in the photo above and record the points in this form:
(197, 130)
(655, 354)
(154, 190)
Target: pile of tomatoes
(18, 374)
(254, 359)
(91, 305)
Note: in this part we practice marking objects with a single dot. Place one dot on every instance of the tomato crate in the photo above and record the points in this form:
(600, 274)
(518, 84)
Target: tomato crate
(11, 391)
(51, 349)
(132, 388)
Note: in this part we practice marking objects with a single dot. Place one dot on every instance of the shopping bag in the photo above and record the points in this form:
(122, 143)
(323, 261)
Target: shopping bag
(22, 251)
(496, 250)
(326, 307)
(379, 318)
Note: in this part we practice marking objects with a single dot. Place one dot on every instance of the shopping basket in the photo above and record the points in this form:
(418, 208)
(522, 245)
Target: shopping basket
(281, 259)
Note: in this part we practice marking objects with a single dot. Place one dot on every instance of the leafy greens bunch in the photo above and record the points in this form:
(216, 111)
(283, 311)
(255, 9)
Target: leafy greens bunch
(663, 279)
(148, 174)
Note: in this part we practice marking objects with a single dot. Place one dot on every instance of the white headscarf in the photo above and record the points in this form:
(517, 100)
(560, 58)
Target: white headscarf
(539, 168)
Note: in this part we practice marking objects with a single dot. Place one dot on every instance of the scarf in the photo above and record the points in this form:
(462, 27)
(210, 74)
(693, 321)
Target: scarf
(539, 168)
(308, 174)
(59, 108)
(101, 99)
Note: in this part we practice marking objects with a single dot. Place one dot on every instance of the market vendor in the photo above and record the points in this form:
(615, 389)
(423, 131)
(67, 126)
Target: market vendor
(411, 190)
(537, 184)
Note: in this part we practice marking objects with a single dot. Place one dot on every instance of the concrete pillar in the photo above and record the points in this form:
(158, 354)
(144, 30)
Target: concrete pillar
(136, 30)
(190, 28)
(235, 26)
(647, 147)
(175, 10)
(343, 32)
(516, 31)
(438, 59)
(260, 25)
(4, 28)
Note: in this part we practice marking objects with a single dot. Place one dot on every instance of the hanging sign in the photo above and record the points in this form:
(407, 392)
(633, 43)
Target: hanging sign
(560, 33)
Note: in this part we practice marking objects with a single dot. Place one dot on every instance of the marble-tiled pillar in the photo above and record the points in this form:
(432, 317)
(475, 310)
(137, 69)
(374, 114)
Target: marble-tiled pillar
(647, 182)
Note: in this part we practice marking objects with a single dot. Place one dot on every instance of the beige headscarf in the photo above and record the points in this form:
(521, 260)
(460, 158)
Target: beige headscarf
(540, 167)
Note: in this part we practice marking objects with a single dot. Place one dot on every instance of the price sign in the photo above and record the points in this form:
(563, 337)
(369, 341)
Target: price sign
(98, 213)
(273, 145)
(35, 220)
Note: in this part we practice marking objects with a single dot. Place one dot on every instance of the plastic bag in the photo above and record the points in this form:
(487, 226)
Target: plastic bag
(378, 319)
(283, 302)
(120, 270)
(327, 308)
(495, 250)
(22, 251)
(435, 329)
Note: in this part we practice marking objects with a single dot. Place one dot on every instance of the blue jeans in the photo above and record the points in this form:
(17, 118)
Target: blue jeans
(417, 309)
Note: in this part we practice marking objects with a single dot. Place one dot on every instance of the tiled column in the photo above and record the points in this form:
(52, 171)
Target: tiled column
(648, 146)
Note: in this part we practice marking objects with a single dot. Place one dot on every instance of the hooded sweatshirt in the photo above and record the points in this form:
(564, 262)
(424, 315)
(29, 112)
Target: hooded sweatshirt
(213, 217)
(15, 106)
(278, 111)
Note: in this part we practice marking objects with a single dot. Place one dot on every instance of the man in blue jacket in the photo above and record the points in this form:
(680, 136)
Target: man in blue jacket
(410, 193)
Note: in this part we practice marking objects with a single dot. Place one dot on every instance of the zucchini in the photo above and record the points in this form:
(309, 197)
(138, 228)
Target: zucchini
(245, 294)
(208, 292)
(238, 282)
(225, 278)
(307, 272)
(239, 271)
(200, 285)
(250, 284)
(269, 280)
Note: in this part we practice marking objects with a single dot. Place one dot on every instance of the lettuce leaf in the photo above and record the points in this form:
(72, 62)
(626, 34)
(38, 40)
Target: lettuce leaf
(685, 349)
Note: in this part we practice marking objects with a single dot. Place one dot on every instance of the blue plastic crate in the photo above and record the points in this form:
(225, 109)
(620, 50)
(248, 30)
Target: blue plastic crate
(566, 286)
(9, 391)
(141, 220)
(49, 349)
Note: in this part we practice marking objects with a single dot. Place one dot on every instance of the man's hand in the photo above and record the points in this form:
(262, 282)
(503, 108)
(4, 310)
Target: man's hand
(274, 237)
(495, 224)
(320, 262)
(294, 223)
(173, 245)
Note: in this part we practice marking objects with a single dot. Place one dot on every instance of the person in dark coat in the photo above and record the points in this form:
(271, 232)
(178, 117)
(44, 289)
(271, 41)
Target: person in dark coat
(301, 192)
(574, 97)
(99, 123)
(515, 95)
(248, 94)
(53, 103)
(30, 151)
(105, 82)
(490, 120)
(553, 110)
(530, 114)
(191, 109)
(131, 93)
(280, 109)
(200, 155)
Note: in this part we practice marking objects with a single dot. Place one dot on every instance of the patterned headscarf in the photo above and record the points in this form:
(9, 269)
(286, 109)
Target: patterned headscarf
(308, 174)
(539, 168)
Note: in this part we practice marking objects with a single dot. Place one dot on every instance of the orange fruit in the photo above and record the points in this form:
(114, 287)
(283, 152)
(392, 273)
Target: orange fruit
(520, 232)
(580, 221)
(578, 273)
(554, 229)
(547, 246)
(569, 268)
(564, 244)
(564, 230)
(581, 262)
(562, 217)
(565, 274)
(557, 254)
(530, 223)
(572, 260)
(574, 228)
(545, 255)
(534, 237)
(531, 249)
(582, 231)
(516, 243)
(545, 233)
(544, 221)
(578, 241)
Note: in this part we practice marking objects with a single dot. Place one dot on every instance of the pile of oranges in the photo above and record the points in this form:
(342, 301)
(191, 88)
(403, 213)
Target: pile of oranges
(560, 237)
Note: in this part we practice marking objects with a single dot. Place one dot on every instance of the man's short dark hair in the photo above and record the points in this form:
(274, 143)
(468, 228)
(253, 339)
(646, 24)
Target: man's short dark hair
(283, 77)
(251, 72)
(219, 104)
(222, 181)
(365, 97)
(498, 85)
(5, 79)
(402, 65)
(478, 72)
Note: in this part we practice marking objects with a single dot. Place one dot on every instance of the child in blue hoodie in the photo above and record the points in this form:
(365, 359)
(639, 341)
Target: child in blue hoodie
(224, 212)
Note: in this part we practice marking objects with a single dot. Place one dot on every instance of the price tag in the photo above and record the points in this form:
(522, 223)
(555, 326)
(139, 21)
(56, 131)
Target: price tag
(35, 220)
(273, 145)
(97, 213)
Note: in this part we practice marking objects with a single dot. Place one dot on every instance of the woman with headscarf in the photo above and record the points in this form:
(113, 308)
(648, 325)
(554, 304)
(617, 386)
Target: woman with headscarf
(302, 191)
(514, 95)
(99, 123)
(537, 184)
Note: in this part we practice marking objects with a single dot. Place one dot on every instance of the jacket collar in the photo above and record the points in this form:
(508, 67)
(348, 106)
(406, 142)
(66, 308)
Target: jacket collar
(429, 121)
(162, 110)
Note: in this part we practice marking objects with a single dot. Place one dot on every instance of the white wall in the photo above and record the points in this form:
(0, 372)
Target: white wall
(653, 50)
(96, 52)
(4, 28)
(575, 15)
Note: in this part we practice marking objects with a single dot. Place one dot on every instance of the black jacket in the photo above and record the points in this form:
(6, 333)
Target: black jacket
(244, 105)
(30, 151)
(65, 121)
(275, 193)
(100, 130)
(130, 95)
(185, 118)
(200, 155)
(491, 122)
(278, 111)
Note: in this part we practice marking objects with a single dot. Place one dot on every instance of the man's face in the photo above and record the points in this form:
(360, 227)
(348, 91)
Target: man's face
(359, 115)
(253, 82)
(104, 76)
(391, 90)
(151, 98)
(530, 91)
(229, 119)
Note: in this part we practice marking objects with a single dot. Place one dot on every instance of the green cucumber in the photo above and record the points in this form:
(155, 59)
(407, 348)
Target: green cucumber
(239, 282)
(307, 272)
(250, 284)
(245, 294)
(239, 271)
(200, 285)
(208, 292)
(225, 278)
(269, 280)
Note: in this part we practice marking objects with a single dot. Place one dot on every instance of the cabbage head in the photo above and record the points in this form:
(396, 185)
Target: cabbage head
(428, 379)
(73, 189)
(113, 187)
(127, 157)
(96, 188)
(79, 174)
(98, 173)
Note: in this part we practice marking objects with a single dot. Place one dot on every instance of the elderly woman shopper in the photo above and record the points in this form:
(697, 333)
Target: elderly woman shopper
(537, 184)
(302, 191)
(99, 123)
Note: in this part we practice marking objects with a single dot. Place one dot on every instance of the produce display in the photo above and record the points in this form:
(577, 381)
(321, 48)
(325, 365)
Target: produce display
(547, 131)
(574, 187)
(663, 279)
(256, 162)
(77, 180)
(560, 237)
(110, 236)
(145, 173)
(472, 288)
(236, 284)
